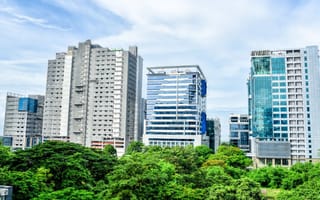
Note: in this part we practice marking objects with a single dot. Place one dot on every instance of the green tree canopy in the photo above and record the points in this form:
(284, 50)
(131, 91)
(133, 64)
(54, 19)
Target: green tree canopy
(232, 156)
(69, 193)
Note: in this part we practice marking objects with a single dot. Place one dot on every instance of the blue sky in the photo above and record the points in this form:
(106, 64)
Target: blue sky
(217, 35)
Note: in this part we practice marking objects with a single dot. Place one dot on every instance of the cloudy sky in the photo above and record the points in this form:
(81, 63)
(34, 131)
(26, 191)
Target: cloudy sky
(217, 35)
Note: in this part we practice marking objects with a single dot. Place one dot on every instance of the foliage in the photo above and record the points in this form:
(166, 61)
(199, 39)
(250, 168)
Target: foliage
(5, 154)
(139, 177)
(27, 184)
(203, 152)
(57, 170)
(69, 193)
(232, 156)
(68, 162)
(135, 147)
(109, 150)
(269, 176)
(244, 189)
(185, 159)
(308, 190)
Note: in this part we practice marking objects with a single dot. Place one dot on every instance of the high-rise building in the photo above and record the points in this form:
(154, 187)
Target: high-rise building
(139, 106)
(239, 131)
(176, 106)
(23, 121)
(214, 133)
(91, 96)
(284, 106)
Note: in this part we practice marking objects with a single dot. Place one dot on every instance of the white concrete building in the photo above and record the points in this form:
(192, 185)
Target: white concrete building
(23, 121)
(91, 96)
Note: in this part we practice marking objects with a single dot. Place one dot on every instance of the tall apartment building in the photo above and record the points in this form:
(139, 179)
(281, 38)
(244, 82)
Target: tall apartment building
(91, 96)
(176, 106)
(214, 133)
(284, 106)
(23, 121)
(239, 131)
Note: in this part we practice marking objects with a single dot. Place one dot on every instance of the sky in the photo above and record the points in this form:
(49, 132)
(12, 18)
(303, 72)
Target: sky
(216, 35)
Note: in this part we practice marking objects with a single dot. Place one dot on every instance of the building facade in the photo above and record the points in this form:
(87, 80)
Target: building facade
(23, 121)
(139, 104)
(91, 96)
(214, 133)
(176, 106)
(284, 106)
(6, 192)
(239, 131)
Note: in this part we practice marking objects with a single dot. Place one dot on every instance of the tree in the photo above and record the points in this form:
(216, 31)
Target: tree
(185, 159)
(308, 191)
(69, 193)
(269, 176)
(5, 155)
(110, 151)
(139, 176)
(70, 163)
(134, 146)
(232, 156)
(203, 152)
(291, 180)
(28, 184)
(242, 189)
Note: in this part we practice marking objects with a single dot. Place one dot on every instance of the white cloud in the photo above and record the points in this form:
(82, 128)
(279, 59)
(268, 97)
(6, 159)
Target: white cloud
(217, 35)
(16, 17)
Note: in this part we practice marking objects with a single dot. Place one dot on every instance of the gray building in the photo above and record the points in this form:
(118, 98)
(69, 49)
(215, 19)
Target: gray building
(239, 131)
(91, 96)
(214, 133)
(139, 106)
(23, 121)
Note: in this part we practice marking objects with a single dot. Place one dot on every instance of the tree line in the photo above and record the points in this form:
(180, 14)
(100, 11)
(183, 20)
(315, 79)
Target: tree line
(59, 170)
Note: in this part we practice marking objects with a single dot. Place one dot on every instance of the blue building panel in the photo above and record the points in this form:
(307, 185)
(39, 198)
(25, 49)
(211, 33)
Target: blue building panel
(23, 104)
(203, 88)
(27, 105)
(278, 65)
(262, 112)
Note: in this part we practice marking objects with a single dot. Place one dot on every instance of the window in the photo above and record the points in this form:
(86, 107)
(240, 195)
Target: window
(234, 134)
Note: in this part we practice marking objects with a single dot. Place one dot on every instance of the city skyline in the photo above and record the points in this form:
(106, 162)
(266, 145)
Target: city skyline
(217, 36)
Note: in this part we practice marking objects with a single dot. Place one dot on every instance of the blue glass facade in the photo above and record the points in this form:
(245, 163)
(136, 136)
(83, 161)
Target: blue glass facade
(278, 66)
(262, 111)
(268, 98)
(28, 104)
(174, 100)
(176, 103)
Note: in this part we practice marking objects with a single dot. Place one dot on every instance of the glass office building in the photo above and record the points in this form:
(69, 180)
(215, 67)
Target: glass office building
(176, 106)
(239, 131)
(284, 93)
(214, 133)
